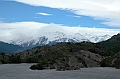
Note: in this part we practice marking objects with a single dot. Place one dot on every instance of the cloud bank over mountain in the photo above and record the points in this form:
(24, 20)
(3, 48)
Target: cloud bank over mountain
(106, 10)
(26, 31)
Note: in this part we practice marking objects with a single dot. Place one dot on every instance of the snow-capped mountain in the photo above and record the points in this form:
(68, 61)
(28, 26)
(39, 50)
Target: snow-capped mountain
(50, 38)
(25, 37)
(54, 33)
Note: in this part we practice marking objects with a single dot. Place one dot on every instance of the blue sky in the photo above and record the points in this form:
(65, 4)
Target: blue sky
(18, 18)
(12, 11)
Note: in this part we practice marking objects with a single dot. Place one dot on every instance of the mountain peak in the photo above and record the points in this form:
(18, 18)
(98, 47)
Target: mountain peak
(49, 38)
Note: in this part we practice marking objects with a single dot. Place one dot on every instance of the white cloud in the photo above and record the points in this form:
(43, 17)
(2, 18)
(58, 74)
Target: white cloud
(25, 31)
(19, 30)
(74, 16)
(107, 10)
(44, 14)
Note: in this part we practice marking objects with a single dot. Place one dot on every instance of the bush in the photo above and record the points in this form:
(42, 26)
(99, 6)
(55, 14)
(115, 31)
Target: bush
(37, 67)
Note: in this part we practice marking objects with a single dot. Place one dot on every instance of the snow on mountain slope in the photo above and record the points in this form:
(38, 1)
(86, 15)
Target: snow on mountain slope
(56, 37)
(54, 33)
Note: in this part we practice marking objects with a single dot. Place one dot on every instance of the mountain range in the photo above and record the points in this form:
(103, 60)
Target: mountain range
(50, 38)
(56, 37)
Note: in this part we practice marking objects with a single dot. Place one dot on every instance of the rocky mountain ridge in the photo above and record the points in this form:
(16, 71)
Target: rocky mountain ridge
(51, 38)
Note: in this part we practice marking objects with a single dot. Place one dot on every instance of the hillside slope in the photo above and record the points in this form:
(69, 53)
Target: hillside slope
(9, 48)
(113, 44)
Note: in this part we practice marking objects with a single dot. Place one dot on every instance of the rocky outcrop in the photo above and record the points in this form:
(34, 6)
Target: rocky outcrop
(83, 59)
(72, 61)
(70, 64)
(91, 59)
